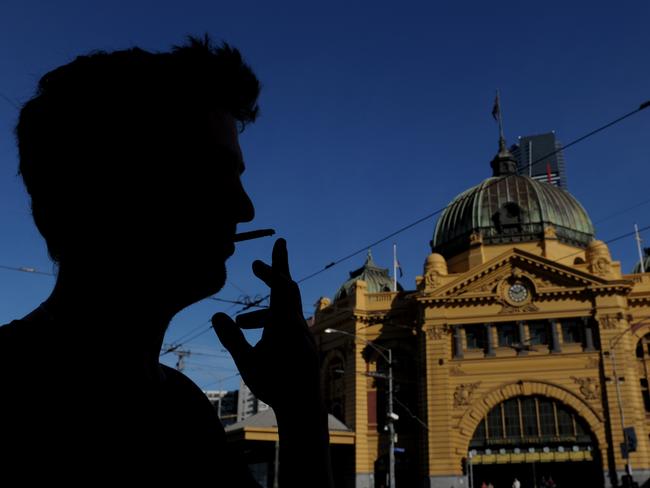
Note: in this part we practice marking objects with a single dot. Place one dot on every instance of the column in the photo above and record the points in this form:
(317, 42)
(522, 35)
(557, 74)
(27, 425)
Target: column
(489, 329)
(522, 338)
(589, 335)
(555, 338)
(458, 342)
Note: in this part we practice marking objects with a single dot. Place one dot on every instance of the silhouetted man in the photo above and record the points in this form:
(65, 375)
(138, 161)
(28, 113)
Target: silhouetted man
(133, 165)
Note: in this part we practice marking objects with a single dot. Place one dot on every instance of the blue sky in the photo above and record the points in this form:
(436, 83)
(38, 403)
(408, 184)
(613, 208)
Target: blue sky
(374, 114)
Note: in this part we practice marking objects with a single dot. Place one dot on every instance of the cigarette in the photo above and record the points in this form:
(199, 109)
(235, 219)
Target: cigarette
(254, 234)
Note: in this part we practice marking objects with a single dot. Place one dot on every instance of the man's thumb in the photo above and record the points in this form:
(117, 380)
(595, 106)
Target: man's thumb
(230, 336)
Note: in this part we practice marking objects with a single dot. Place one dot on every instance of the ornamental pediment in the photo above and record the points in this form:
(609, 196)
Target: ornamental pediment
(516, 275)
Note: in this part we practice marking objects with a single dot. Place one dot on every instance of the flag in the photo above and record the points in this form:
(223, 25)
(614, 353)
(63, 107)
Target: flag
(399, 267)
(496, 109)
(548, 172)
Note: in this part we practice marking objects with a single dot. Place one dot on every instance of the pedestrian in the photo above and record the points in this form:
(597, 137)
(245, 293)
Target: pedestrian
(132, 162)
(516, 483)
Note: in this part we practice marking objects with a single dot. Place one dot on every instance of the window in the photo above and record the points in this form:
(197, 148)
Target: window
(645, 393)
(545, 422)
(511, 415)
(495, 426)
(539, 333)
(572, 331)
(529, 417)
(643, 358)
(507, 334)
(546, 417)
(475, 336)
(564, 422)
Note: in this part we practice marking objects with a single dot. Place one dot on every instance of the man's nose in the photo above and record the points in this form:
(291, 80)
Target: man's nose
(246, 208)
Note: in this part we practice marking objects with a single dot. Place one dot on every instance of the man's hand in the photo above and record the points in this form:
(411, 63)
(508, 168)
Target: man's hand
(282, 368)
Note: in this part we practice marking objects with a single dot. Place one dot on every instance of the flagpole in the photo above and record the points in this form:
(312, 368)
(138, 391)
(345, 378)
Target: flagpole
(501, 138)
(638, 246)
(394, 267)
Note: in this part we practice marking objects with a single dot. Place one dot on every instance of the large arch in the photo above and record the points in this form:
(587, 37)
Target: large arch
(480, 408)
(333, 383)
(642, 330)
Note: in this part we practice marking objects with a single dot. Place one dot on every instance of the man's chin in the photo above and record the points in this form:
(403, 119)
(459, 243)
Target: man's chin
(205, 283)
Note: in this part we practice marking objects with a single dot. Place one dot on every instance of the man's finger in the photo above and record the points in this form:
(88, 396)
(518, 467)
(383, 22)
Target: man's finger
(232, 339)
(263, 271)
(280, 258)
(253, 320)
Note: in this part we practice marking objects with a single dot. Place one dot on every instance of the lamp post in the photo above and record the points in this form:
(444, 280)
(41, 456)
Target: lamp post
(612, 346)
(387, 355)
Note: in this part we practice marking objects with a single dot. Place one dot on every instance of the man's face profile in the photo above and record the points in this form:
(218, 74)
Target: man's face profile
(213, 202)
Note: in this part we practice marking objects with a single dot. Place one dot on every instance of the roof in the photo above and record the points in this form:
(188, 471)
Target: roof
(646, 262)
(511, 208)
(267, 419)
(377, 279)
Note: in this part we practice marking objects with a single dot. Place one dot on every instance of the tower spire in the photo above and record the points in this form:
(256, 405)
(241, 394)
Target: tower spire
(504, 163)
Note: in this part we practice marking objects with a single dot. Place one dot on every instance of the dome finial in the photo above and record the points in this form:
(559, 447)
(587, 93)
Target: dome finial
(496, 114)
(504, 163)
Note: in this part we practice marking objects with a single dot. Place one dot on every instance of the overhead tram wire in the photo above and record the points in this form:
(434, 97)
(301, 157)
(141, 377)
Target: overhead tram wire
(340, 260)
(26, 269)
(622, 211)
(609, 241)
(643, 106)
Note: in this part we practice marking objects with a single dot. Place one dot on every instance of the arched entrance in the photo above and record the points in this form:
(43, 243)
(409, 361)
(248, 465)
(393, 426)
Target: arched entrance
(534, 439)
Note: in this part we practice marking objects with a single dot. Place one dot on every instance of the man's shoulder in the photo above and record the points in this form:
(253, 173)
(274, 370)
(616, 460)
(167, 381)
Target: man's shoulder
(178, 388)
(14, 333)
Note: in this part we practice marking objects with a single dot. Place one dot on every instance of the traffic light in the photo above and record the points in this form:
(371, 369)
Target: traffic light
(630, 439)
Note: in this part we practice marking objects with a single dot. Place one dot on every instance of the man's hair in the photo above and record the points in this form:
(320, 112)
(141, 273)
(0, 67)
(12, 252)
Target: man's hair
(109, 118)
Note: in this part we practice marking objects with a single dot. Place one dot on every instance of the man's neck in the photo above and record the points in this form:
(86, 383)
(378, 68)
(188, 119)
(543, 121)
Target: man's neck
(111, 320)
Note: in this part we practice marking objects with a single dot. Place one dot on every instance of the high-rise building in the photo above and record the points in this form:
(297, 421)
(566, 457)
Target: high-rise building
(225, 402)
(535, 158)
(247, 403)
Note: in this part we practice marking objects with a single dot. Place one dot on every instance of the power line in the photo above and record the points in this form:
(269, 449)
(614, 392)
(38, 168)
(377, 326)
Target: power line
(643, 106)
(26, 269)
(256, 303)
(622, 211)
(10, 101)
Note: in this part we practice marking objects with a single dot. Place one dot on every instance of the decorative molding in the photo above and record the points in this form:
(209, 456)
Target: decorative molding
(589, 387)
(437, 332)
(433, 279)
(611, 320)
(507, 308)
(463, 394)
(456, 370)
(592, 362)
(601, 266)
(550, 232)
(476, 238)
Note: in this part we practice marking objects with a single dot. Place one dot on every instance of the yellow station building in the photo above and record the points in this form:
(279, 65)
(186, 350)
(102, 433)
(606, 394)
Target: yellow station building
(523, 351)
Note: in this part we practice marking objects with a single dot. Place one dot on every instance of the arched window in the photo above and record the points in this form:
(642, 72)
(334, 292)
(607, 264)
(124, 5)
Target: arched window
(335, 387)
(643, 364)
(528, 421)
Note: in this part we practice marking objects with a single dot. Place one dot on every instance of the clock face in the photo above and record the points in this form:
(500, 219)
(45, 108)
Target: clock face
(517, 292)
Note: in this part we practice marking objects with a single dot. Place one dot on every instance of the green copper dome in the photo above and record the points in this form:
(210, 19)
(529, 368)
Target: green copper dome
(509, 208)
(376, 278)
(646, 262)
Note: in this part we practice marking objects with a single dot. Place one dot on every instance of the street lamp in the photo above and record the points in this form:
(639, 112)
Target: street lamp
(392, 416)
(612, 346)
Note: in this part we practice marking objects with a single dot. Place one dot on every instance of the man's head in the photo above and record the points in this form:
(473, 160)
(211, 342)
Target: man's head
(133, 156)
